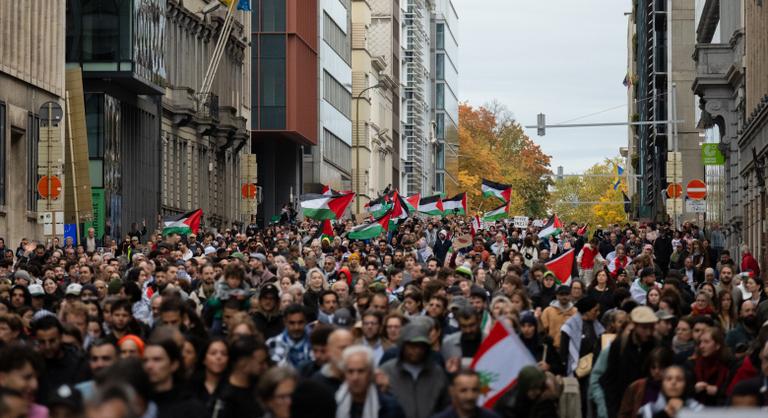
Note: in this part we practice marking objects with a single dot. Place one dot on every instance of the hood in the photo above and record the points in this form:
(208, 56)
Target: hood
(556, 304)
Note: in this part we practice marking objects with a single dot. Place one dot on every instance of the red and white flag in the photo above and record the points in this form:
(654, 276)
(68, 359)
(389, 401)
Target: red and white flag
(498, 361)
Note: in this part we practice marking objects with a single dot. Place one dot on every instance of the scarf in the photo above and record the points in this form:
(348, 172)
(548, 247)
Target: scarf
(711, 370)
(344, 402)
(650, 409)
(573, 329)
(695, 311)
(679, 347)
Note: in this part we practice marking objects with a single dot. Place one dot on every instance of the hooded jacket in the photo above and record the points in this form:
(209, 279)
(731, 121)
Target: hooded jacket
(423, 396)
(554, 316)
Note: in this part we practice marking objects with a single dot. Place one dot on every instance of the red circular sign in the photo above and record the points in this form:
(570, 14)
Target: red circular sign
(45, 192)
(248, 191)
(697, 189)
(674, 190)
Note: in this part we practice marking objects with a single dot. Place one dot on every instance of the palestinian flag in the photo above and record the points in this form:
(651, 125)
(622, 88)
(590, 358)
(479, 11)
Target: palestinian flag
(456, 205)
(399, 210)
(379, 206)
(500, 191)
(185, 224)
(413, 202)
(327, 191)
(431, 205)
(372, 229)
(552, 227)
(327, 230)
(497, 214)
(321, 207)
(562, 266)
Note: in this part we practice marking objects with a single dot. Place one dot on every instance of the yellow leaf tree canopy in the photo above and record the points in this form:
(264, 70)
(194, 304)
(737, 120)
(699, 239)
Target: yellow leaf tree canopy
(494, 146)
(595, 186)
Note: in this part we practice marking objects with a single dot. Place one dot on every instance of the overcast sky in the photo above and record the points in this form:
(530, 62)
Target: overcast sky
(564, 58)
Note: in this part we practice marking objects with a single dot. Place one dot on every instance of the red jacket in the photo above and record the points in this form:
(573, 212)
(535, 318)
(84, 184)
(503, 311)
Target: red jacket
(748, 262)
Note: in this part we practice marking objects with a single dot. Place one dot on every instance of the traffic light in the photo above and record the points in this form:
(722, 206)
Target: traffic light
(541, 124)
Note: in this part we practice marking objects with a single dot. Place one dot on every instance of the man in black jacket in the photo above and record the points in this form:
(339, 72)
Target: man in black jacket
(267, 318)
(359, 394)
(64, 364)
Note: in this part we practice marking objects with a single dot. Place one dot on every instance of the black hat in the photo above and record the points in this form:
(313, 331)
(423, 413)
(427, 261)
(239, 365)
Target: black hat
(478, 291)
(68, 396)
(343, 318)
(586, 304)
(647, 271)
(563, 290)
(269, 289)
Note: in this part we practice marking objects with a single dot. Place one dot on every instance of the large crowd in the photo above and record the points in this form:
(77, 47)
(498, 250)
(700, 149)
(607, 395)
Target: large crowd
(286, 321)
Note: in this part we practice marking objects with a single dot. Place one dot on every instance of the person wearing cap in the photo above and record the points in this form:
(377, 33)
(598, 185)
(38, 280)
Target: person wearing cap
(665, 327)
(559, 310)
(415, 378)
(643, 284)
(625, 355)
(268, 319)
(38, 296)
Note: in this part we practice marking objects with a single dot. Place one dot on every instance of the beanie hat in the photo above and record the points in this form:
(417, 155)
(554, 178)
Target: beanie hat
(136, 340)
(586, 304)
(114, 286)
(464, 271)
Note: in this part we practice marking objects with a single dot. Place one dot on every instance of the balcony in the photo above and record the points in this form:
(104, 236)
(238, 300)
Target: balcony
(120, 41)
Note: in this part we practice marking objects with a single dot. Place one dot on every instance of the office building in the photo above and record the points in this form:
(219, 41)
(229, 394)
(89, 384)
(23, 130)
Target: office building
(662, 43)
(285, 100)
(204, 134)
(31, 73)
(444, 111)
(375, 93)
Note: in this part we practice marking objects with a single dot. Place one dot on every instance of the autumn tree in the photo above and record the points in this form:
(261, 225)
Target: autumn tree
(590, 198)
(494, 146)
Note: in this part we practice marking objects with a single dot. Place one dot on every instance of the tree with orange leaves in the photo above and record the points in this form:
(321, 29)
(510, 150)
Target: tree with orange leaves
(494, 146)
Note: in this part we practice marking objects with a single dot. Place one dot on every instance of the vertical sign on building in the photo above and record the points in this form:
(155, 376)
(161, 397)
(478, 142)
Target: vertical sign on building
(50, 168)
(78, 206)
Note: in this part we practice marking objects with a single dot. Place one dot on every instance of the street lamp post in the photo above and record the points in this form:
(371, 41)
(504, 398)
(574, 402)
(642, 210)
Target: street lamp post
(357, 143)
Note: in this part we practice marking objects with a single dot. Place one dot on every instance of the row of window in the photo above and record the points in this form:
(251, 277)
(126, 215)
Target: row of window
(335, 37)
(3, 148)
(336, 151)
(33, 137)
(337, 95)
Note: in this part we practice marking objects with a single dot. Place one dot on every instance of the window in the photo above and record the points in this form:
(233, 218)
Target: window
(33, 137)
(439, 182)
(336, 151)
(94, 117)
(336, 38)
(440, 125)
(2, 153)
(440, 36)
(440, 156)
(272, 81)
(335, 94)
(272, 15)
(440, 66)
(440, 95)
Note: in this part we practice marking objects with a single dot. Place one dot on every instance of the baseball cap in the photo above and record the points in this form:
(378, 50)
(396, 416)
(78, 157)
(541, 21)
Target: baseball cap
(343, 318)
(238, 255)
(74, 289)
(415, 333)
(67, 396)
(643, 315)
(647, 271)
(478, 291)
(458, 302)
(269, 289)
(259, 256)
(36, 290)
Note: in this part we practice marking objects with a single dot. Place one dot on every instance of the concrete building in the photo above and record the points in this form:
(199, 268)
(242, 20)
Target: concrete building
(330, 163)
(120, 48)
(663, 43)
(444, 112)
(720, 86)
(417, 135)
(374, 93)
(31, 73)
(285, 100)
(203, 135)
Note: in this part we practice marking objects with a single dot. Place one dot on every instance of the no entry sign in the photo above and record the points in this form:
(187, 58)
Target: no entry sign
(697, 189)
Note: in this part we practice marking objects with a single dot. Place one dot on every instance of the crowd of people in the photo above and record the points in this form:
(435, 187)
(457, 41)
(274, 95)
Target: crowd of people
(286, 321)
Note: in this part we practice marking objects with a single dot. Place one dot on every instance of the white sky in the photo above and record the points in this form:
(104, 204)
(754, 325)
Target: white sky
(564, 58)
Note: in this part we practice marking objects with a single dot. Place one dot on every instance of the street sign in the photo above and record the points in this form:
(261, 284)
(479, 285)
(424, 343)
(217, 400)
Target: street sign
(49, 187)
(674, 207)
(711, 155)
(697, 189)
(674, 190)
(248, 191)
(695, 206)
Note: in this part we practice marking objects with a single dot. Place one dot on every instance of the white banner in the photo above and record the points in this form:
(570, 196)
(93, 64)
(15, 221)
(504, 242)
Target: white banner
(521, 222)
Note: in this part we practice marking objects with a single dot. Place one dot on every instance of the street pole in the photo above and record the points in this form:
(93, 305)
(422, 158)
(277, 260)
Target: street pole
(356, 184)
(675, 144)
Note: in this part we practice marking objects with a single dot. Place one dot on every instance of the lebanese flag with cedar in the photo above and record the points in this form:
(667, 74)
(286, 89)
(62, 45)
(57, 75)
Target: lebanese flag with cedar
(498, 361)
(562, 267)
